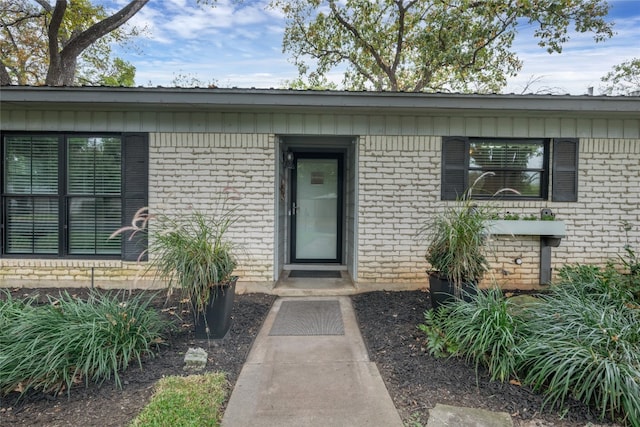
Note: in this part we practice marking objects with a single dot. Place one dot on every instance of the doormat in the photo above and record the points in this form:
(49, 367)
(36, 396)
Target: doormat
(305, 318)
(321, 274)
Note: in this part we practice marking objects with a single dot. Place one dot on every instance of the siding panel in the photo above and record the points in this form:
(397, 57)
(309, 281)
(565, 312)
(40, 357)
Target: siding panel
(319, 124)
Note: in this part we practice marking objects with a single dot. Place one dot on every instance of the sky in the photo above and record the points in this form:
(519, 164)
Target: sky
(239, 44)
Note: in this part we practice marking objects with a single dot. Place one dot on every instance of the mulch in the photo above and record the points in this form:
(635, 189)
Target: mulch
(416, 381)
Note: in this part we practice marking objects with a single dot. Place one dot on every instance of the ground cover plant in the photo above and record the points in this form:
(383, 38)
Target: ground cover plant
(484, 332)
(579, 341)
(52, 346)
(416, 380)
(584, 341)
(195, 400)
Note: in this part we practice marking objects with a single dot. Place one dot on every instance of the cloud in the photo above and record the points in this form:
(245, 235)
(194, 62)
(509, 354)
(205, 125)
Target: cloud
(239, 43)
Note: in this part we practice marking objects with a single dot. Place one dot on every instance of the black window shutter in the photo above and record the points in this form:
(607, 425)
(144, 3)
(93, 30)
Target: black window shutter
(455, 159)
(564, 186)
(135, 149)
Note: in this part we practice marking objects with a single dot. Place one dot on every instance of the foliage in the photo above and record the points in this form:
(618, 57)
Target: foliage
(56, 345)
(63, 44)
(584, 342)
(427, 45)
(190, 251)
(624, 79)
(195, 400)
(191, 80)
(631, 258)
(113, 73)
(484, 330)
(457, 238)
(438, 343)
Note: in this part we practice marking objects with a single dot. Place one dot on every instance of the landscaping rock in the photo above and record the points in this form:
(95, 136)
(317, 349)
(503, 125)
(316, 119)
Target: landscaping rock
(445, 415)
(195, 359)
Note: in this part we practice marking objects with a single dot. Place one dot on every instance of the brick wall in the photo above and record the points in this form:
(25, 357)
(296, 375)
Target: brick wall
(75, 273)
(191, 171)
(399, 184)
(400, 187)
(187, 171)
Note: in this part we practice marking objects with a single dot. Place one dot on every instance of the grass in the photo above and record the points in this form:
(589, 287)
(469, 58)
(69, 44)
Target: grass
(194, 400)
(66, 341)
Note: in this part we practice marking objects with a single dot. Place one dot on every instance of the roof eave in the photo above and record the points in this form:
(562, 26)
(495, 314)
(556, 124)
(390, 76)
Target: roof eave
(293, 100)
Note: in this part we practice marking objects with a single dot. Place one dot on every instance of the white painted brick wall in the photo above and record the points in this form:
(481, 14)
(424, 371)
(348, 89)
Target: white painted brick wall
(400, 187)
(190, 171)
(398, 184)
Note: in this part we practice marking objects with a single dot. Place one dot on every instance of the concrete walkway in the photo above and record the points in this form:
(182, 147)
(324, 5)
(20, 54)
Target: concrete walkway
(325, 380)
(320, 380)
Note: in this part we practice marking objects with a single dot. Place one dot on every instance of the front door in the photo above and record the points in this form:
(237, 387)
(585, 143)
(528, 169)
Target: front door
(316, 208)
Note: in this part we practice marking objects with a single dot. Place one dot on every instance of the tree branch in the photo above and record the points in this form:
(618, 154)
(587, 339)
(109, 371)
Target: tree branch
(83, 40)
(54, 29)
(376, 55)
(62, 72)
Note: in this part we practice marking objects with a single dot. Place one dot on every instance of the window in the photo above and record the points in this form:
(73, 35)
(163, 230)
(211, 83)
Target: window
(63, 195)
(519, 164)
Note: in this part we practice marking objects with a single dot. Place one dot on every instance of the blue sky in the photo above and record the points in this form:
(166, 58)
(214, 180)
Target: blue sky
(239, 44)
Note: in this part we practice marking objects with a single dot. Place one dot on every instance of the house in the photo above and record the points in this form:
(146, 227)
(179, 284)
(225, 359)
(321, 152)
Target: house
(338, 179)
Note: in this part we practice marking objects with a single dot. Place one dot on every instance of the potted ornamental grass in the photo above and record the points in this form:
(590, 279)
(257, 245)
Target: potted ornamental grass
(193, 254)
(455, 251)
(457, 238)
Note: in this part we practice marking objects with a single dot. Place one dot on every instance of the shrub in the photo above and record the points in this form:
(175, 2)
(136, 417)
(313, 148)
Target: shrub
(195, 400)
(484, 331)
(584, 342)
(606, 285)
(438, 344)
(67, 340)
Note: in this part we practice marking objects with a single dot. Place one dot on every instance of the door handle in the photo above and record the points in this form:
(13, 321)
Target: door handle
(294, 209)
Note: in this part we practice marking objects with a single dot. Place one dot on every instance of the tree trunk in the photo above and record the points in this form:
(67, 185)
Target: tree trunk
(5, 78)
(62, 68)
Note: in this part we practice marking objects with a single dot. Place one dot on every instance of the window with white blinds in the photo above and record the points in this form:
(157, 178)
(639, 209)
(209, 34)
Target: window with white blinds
(31, 189)
(93, 194)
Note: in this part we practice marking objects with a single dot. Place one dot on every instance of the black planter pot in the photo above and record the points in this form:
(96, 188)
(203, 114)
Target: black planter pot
(441, 290)
(215, 322)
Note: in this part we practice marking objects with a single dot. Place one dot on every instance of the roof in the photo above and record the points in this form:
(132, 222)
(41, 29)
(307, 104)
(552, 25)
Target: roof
(216, 99)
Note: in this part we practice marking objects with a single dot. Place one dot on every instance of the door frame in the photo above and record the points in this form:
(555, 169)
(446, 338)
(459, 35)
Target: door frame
(339, 156)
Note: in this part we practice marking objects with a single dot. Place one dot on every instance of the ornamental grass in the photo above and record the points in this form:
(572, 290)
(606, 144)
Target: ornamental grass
(580, 341)
(51, 347)
(584, 343)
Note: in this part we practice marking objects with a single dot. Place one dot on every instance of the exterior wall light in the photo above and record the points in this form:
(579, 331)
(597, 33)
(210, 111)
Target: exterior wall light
(288, 160)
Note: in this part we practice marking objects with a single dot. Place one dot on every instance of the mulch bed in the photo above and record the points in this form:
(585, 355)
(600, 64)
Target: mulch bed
(416, 381)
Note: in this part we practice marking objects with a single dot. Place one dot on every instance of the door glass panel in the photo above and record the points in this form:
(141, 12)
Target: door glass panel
(317, 209)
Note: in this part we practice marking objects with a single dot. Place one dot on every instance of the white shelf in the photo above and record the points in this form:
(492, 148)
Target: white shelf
(527, 228)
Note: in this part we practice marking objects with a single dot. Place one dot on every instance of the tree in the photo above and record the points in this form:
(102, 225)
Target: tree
(45, 44)
(191, 80)
(117, 72)
(22, 43)
(624, 79)
(427, 45)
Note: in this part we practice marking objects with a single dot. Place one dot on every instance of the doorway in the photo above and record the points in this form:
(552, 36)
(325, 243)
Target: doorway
(316, 206)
